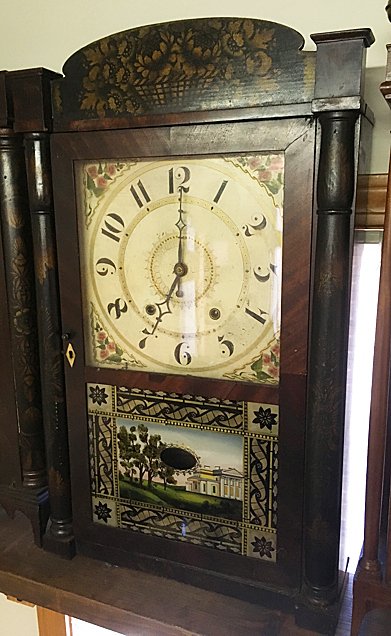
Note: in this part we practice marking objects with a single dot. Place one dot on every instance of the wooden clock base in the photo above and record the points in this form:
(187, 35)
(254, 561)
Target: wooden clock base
(318, 618)
(123, 599)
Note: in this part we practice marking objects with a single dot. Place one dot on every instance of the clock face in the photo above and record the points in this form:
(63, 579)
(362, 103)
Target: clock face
(181, 264)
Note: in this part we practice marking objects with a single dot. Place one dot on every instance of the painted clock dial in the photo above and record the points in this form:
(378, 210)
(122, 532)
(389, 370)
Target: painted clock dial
(181, 262)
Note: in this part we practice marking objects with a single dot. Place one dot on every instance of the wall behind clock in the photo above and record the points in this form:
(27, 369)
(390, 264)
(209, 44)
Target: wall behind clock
(17, 619)
(47, 32)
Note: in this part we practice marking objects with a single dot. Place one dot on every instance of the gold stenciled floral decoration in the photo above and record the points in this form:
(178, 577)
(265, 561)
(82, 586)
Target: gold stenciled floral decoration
(163, 62)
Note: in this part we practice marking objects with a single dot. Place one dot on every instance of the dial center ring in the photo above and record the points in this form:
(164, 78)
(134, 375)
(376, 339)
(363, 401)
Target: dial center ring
(197, 271)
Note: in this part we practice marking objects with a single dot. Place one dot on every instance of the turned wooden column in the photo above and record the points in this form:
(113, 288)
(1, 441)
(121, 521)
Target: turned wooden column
(338, 106)
(19, 275)
(31, 98)
(22, 454)
(59, 537)
(327, 365)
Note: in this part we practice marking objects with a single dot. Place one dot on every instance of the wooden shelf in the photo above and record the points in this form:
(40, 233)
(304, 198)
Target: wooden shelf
(120, 599)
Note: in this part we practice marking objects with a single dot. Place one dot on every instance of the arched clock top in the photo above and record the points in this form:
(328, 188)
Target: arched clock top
(188, 65)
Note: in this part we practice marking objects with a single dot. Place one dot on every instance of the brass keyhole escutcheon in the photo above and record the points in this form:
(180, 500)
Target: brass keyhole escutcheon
(70, 355)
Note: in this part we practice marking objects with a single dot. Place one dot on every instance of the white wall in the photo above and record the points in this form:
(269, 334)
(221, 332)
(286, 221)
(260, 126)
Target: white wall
(17, 619)
(46, 32)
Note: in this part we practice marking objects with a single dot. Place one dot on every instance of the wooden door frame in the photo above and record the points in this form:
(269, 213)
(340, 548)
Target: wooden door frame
(52, 623)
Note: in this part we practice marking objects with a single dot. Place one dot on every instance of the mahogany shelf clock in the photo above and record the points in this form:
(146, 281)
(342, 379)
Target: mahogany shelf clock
(196, 180)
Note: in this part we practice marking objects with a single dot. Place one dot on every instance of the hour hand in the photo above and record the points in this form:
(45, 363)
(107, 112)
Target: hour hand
(164, 306)
(180, 269)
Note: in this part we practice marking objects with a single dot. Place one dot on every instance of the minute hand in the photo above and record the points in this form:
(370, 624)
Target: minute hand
(181, 225)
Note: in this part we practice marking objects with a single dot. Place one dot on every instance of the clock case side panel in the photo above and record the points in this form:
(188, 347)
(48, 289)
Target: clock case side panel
(296, 296)
(164, 556)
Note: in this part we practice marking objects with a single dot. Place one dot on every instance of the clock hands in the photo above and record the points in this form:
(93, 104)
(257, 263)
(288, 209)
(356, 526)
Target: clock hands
(163, 308)
(181, 225)
(180, 270)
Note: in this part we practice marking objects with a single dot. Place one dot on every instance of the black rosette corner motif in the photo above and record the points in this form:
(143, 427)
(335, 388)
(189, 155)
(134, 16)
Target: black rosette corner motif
(98, 395)
(102, 511)
(265, 418)
(263, 547)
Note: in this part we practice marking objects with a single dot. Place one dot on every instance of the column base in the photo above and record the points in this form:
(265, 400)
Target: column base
(59, 539)
(319, 614)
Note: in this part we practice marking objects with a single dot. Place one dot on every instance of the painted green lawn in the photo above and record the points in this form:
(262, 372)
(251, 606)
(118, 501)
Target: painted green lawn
(176, 497)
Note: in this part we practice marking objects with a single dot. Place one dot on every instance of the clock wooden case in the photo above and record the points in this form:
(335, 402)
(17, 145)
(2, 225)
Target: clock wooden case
(203, 176)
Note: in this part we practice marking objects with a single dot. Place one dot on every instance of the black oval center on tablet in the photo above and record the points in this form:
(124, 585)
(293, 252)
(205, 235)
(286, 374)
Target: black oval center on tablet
(178, 458)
